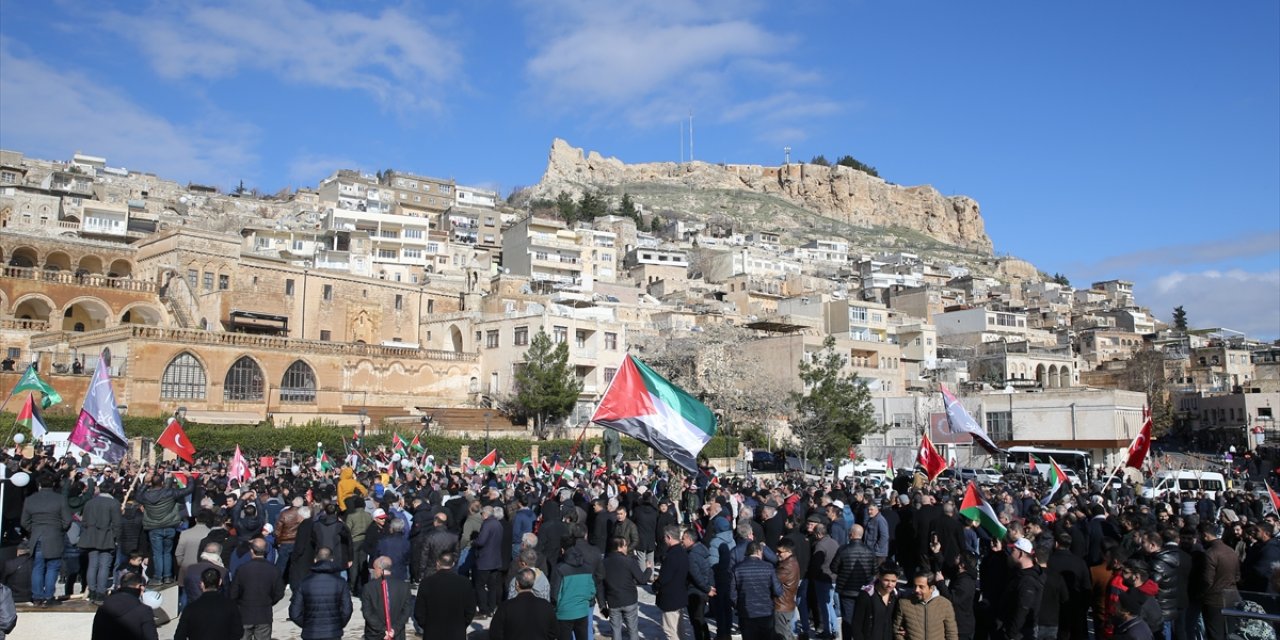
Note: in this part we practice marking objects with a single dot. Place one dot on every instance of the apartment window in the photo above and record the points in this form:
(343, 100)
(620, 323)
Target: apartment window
(858, 314)
(580, 339)
(611, 341)
(297, 245)
(433, 247)
(325, 335)
(224, 283)
(904, 442)
(479, 336)
(193, 278)
(208, 281)
(521, 336)
(413, 233)
(560, 334)
(491, 339)
(328, 292)
(1000, 425)
(288, 287)
(387, 254)
(413, 253)
(609, 373)
(399, 302)
(431, 306)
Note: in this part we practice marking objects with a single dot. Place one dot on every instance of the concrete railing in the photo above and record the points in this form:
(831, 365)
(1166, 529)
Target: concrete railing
(80, 280)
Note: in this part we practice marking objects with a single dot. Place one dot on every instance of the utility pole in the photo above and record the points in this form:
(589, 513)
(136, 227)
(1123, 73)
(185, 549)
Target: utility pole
(786, 155)
(691, 136)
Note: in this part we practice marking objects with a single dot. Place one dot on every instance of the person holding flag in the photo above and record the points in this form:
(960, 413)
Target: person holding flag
(930, 460)
(161, 517)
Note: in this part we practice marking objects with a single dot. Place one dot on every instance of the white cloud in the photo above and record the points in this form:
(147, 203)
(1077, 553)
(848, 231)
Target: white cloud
(1235, 299)
(651, 66)
(51, 113)
(310, 168)
(1208, 252)
(401, 61)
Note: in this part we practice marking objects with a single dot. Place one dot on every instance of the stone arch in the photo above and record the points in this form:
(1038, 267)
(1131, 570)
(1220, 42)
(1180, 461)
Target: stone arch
(25, 257)
(121, 268)
(1064, 377)
(33, 306)
(1053, 376)
(86, 314)
(244, 381)
(4, 303)
(455, 338)
(185, 378)
(90, 264)
(298, 383)
(142, 313)
(57, 261)
(1041, 374)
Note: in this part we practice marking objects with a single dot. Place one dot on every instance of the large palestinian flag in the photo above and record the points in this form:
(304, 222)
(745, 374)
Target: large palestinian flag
(643, 405)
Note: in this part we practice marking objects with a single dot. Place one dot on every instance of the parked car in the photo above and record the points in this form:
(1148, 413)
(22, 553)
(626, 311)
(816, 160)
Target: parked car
(796, 463)
(762, 460)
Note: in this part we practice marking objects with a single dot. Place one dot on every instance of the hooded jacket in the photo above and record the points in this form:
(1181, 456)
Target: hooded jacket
(330, 532)
(348, 486)
(576, 581)
(322, 603)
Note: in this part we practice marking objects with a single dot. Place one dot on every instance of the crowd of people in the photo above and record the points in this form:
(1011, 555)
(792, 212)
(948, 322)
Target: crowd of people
(568, 555)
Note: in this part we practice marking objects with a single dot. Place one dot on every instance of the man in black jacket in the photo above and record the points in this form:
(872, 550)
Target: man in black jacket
(212, 616)
(524, 617)
(752, 589)
(123, 615)
(385, 600)
(321, 604)
(446, 603)
(46, 515)
(17, 574)
(256, 588)
(435, 542)
(621, 578)
(330, 532)
(855, 568)
(1073, 619)
(672, 592)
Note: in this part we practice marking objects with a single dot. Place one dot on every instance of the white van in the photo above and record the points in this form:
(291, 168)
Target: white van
(1211, 482)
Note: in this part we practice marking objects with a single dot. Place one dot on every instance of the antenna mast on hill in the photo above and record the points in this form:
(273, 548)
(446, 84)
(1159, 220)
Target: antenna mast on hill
(690, 135)
(682, 142)
(786, 155)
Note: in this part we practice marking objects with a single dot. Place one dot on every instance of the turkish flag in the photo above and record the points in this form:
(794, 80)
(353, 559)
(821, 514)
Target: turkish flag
(1141, 444)
(930, 459)
(176, 440)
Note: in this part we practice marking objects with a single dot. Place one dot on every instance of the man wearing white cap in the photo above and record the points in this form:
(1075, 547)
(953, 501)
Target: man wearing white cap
(1020, 603)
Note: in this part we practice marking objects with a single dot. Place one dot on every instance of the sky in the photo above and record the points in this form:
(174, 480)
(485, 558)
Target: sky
(1103, 140)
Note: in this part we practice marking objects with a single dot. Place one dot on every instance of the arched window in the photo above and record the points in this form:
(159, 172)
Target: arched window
(183, 379)
(243, 382)
(299, 384)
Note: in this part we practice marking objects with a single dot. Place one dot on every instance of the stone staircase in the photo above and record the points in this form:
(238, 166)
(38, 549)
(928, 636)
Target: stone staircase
(469, 419)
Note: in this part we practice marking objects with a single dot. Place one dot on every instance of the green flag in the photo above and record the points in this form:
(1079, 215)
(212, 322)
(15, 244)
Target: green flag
(31, 382)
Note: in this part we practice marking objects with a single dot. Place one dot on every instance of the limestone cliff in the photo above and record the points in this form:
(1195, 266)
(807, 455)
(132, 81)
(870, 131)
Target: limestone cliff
(837, 193)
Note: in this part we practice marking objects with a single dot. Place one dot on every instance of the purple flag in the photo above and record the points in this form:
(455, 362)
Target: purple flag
(959, 421)
(99, 429)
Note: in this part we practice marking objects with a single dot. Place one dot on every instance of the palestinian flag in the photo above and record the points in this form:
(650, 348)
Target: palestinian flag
(1275, 499)
(323, 463)
(29, 417)
(974, 507)
(398, 445)
(1057, 482)
(643, 405)
(889, 471)
(355, 438)
(489, 461)
(416, 445)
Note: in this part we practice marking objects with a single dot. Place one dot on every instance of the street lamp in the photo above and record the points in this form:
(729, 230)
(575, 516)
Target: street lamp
(363, 413)
(487, 416)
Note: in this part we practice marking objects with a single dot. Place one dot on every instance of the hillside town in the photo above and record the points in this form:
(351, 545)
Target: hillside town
(398, 296)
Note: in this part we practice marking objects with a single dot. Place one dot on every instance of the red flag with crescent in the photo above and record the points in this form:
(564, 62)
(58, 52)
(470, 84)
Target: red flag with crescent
(1141, 444)
(175, 439)
(930, 460)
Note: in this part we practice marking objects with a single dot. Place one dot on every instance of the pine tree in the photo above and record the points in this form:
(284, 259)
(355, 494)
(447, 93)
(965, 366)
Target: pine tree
(820, 160)
(591, 206)
(1180, 319)
(835, 410)
(655, 225)
(628, 208)
(546, 387)
(567, 208)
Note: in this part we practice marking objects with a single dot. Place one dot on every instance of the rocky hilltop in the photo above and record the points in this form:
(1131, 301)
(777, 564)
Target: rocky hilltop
(781, 195)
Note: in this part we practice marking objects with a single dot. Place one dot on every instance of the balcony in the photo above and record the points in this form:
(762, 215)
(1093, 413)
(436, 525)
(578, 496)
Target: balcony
(81, 280)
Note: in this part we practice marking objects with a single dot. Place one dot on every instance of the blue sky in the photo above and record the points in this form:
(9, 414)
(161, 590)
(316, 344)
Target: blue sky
(1103, 140)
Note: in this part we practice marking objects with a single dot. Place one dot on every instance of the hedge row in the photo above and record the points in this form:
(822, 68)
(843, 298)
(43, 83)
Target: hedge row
(302, 439)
